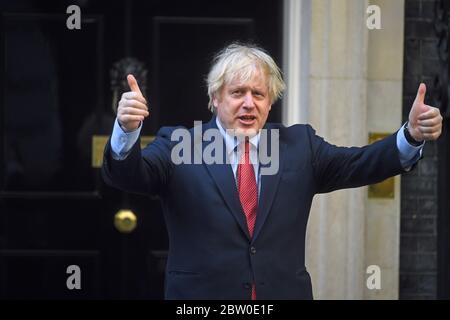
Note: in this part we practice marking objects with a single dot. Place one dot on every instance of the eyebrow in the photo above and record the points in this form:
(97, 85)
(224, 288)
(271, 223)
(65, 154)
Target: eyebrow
(234, 87)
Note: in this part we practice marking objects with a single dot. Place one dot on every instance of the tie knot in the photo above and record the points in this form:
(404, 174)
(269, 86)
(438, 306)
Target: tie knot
(246, 146)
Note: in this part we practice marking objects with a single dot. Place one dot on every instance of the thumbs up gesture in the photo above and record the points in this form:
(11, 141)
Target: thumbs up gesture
(132, 107)
(425, 122)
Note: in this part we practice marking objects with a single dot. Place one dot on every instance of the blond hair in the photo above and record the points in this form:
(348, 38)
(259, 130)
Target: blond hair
(238, 60)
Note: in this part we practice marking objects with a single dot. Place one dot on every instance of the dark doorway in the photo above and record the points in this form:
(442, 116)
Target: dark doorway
(56, 104)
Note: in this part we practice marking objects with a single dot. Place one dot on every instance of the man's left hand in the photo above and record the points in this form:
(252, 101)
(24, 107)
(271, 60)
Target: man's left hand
(425, 122)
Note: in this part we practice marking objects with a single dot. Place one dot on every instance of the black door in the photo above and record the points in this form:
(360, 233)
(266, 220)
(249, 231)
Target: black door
(59, 89)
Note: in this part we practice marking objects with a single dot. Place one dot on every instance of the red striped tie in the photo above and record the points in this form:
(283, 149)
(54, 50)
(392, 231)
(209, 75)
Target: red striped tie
(248, 193)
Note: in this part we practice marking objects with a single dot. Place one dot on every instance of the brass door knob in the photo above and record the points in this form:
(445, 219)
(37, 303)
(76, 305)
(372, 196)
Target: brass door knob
(125, 221)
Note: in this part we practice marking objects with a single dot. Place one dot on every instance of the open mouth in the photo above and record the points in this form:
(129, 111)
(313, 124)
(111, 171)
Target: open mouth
(247, 119)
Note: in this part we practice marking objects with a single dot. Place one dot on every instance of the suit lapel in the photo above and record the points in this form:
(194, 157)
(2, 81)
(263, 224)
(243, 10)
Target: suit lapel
(222, 175)
(269, 186)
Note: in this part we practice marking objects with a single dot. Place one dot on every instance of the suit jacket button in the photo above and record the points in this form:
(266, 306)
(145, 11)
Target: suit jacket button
(252, 250)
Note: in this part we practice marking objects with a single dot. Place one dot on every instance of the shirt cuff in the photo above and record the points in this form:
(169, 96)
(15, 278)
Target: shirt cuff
(122, 142)
(408, 153)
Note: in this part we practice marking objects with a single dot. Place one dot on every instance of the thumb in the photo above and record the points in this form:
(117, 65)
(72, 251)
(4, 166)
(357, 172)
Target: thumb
(419, 107)
(133, 84)
(420, 98)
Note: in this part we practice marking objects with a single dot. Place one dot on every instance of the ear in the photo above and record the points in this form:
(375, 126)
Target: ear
(270, 107)
(215, 101)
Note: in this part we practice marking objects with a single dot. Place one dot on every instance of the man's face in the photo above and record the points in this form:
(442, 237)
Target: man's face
(244, 106)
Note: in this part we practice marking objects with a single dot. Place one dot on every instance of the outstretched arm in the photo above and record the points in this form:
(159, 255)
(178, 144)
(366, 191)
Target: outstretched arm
(341, 167)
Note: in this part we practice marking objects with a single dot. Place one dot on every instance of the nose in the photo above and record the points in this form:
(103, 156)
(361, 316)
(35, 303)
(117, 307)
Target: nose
(248, 100)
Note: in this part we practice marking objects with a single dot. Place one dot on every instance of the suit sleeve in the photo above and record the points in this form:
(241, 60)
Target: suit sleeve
(348, 167)
(144, 171)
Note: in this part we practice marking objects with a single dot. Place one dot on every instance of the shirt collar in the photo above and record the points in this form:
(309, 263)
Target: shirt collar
(231, 141)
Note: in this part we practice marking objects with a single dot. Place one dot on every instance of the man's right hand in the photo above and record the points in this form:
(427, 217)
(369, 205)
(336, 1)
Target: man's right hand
(132, 107)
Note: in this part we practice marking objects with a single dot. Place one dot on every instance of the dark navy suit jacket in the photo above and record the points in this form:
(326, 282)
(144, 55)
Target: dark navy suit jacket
(211, 255)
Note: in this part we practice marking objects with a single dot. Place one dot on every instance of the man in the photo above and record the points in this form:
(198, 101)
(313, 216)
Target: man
(235, 233)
